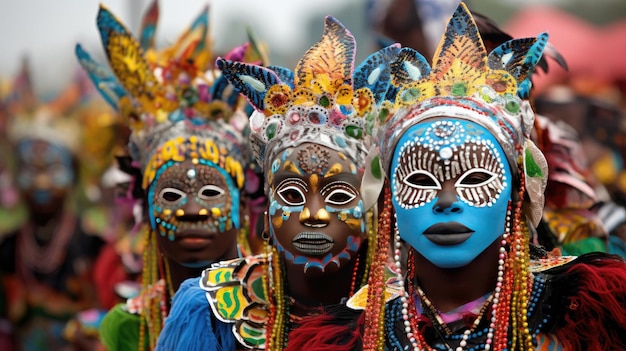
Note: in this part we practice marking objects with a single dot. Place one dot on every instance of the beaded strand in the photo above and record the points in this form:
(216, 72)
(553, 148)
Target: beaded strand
(373, 338)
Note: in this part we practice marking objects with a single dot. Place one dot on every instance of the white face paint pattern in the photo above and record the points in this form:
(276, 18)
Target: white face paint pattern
(450, 187)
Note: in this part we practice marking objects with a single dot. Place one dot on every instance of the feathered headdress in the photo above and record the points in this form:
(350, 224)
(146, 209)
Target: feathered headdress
(54, 121)
(175, 105)
(490, 89)
(325, 100)
(467, 82)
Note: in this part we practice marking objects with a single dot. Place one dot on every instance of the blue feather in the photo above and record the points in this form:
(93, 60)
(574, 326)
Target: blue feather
(107, 23)
(519, 57)
(102, 78)
(410, 66)
(250, 80)
(375, 71)
(191, 324)
(222, 90)
(284, 74)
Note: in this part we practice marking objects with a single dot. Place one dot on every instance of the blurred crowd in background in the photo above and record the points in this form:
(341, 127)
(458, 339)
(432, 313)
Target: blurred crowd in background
(70, 244)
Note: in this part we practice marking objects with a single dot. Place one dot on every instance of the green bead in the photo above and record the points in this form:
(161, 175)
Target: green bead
(324, 101)
(354, 132)
(459, 89)
(271, 131)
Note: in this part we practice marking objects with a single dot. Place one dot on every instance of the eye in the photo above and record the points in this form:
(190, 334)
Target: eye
(339, 197)
(475, 178)
(422, 180)
(292, 195)
(171, 195)
(210, 192)
(339, 193)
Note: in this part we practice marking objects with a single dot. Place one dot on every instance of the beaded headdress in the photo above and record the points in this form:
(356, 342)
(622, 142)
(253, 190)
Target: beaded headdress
(466, 82)
(176, 106)
(325, 100)
(490, 89)
(54, 121)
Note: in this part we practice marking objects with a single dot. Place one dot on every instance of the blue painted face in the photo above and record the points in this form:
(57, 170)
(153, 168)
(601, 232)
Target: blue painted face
(450, 185)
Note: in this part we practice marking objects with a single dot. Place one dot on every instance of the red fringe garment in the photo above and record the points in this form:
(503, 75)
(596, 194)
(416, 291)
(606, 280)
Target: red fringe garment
(338, 329)
(591, 295)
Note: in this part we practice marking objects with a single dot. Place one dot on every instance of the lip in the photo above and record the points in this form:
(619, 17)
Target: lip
(194, 239)
(313, 243)
(448, 233)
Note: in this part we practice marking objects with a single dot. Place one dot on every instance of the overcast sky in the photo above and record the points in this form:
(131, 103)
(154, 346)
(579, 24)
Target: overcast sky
(47, 30)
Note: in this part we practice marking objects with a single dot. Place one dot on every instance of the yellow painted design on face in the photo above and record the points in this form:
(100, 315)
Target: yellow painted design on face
(277, 221)
(291, 167)
(305, 214)
(315, 181)
(334, 170)
(342, 156)
(353, 223)
(216, 212)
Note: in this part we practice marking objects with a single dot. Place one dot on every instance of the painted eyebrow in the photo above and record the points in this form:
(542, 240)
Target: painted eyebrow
(282, 175)
(346, 177)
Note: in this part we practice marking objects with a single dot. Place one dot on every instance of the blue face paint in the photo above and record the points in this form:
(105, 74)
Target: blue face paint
(450, 185)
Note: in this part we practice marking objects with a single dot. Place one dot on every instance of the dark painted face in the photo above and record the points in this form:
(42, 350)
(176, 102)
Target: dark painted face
(315, 208)
(195, 208)
(45, 174)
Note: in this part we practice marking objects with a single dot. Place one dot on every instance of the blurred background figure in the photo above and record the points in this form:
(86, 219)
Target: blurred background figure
(47, 262)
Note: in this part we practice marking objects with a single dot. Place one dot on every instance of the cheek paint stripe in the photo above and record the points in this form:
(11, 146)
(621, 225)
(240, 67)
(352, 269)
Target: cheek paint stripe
(477, 199)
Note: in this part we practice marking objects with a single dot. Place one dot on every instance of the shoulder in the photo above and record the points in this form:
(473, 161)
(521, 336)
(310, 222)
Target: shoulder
(191, 323)
(236, 286)
(119, 329)
(590, 288)
(237, 293)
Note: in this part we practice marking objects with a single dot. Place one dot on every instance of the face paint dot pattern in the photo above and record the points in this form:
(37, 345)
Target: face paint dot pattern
(444, 151)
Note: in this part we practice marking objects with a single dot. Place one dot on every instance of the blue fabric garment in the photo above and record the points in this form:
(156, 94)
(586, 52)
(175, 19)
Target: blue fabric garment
(191, 325)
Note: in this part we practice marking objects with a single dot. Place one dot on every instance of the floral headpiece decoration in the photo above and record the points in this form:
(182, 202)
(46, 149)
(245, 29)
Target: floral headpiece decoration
(466, 82)
(176, 106)
(325, 100)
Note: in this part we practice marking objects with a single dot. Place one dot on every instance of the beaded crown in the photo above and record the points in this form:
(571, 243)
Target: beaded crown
(325, 100)
(466, 82)
(176, 106)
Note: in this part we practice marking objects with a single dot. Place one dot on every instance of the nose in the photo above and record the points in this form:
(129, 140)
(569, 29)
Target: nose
(447, 201)
(43, 181)
(194, 212)
(320, 218)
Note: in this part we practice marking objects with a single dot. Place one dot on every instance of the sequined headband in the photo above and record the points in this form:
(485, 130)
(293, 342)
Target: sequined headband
(325, 100)
(468, 83)
(175, 105)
